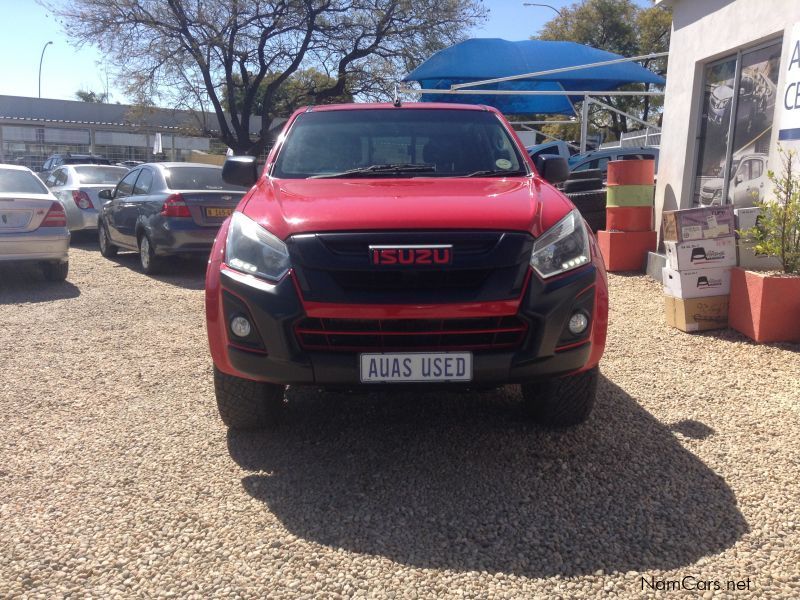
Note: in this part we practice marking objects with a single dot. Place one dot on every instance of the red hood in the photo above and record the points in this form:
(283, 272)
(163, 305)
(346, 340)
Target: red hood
(290, 206)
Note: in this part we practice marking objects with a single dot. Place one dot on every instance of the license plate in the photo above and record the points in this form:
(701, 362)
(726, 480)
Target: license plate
(14, 219)
(219, 212)
(399, 367)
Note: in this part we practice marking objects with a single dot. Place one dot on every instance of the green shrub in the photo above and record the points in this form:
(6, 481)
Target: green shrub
(778, 230)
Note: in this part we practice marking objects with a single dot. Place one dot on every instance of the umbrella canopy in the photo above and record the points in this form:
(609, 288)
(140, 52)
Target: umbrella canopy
(478, 59)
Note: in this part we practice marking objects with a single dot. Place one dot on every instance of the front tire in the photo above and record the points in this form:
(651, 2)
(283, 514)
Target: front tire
(245, 404)
(55, 271)
(562, 401)
(151, 264)
(107, 249)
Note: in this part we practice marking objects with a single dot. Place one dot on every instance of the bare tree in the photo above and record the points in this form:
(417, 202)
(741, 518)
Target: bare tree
(162, 48)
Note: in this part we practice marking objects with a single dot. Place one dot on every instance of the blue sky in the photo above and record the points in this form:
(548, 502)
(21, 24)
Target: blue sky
(26, 27)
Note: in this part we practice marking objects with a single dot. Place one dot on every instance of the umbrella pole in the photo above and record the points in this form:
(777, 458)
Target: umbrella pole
(585, 122)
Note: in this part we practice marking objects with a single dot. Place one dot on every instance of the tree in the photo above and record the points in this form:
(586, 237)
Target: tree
(90, 96)
(241, 54)
(617, 26)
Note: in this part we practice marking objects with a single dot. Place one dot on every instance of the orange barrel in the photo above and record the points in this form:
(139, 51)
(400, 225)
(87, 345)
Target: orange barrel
(626, 250)
(631, 172)
(629, 218)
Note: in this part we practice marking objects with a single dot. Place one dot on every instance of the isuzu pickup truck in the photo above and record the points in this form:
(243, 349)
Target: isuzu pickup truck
(419, 244)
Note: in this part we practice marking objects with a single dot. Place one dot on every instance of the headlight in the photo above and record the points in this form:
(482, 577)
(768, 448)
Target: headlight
(563, 247)
(252, 249)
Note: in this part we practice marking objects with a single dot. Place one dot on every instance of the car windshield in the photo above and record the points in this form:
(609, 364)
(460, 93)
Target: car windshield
(93, 175)
(398, 143)
(197, 178)
(20, 182)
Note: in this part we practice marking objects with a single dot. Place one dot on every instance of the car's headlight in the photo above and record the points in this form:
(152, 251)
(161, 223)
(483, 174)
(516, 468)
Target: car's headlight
(252, 249)
(563, 247)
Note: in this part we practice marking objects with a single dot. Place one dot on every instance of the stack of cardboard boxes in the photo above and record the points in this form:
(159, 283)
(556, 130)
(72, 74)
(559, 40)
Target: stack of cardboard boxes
(629, 234)
(700, 246)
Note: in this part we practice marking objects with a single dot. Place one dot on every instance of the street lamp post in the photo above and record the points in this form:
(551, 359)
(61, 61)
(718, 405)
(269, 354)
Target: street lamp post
(544, 5)
(40, 67)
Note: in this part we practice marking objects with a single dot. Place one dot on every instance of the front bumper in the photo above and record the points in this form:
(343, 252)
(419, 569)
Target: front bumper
(275, 354)
(45, 244)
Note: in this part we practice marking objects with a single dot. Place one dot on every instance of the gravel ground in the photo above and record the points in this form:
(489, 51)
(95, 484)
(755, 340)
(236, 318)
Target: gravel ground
(117, 479)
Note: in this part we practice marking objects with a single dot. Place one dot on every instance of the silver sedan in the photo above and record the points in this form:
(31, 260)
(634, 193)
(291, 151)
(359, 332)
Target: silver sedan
(77, 187)
(33, 224)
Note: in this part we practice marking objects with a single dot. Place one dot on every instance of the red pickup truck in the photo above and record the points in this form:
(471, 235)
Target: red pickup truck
(388, 244)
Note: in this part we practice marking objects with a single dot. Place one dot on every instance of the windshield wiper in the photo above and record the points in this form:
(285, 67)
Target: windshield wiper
(494, 173)
(380, 170)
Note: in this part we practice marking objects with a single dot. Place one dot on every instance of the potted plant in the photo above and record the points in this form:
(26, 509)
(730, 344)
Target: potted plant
(765, 306)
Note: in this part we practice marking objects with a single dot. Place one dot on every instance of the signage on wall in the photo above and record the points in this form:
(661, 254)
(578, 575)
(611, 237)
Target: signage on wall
(789, 115)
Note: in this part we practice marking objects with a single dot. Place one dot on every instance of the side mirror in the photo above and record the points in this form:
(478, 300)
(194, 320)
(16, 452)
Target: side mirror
(240, 170)
(552, 168)
(105, 194)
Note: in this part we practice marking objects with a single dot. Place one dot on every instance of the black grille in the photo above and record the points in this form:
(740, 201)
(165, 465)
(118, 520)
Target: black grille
(336, 267)
(353, 335)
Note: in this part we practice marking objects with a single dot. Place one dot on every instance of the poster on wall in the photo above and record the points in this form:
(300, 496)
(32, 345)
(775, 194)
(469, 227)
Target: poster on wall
(750, 127)
(789, 111)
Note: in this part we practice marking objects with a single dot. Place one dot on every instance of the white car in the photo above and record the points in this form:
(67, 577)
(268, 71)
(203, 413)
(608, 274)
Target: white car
(749, 182)
(78, 186)
(33, 224)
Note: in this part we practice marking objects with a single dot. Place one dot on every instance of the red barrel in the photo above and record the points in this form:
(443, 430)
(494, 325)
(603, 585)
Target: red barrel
(631, 172)
(629, 218)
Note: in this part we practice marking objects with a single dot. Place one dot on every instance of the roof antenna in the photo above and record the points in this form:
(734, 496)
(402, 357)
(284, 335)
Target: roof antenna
(397, 102)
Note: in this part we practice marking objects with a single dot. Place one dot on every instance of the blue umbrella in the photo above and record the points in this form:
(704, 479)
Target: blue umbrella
(479, 59)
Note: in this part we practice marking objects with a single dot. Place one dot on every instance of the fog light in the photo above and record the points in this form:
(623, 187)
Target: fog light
(578, 323)
(241, 326)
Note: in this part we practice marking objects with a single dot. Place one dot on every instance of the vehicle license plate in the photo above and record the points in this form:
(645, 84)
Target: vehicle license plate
(13, 219)
(398, 367)
(219, 212)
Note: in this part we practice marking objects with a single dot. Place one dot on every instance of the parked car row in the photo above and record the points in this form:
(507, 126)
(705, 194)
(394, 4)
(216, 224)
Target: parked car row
(155, 209)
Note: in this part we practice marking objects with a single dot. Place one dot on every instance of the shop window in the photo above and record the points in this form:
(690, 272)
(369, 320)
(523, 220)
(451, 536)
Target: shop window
(737, 111)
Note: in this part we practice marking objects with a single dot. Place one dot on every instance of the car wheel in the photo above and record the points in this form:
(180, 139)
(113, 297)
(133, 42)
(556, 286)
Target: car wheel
(582, 185)
(245, 404)
(585, 174)
(147, 256)
(562, 401)
(55, 271)
(589, 202)
(107, 249)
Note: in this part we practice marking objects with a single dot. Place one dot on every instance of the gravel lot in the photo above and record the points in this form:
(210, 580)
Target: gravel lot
(117, 478)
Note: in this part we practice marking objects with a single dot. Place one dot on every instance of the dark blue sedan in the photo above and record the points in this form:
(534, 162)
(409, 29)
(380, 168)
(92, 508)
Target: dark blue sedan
(163, 209)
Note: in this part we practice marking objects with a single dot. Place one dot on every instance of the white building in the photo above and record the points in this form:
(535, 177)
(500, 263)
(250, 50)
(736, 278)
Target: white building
(726, 99)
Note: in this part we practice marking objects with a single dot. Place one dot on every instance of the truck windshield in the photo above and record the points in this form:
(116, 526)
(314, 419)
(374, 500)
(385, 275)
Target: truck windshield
(398, 143)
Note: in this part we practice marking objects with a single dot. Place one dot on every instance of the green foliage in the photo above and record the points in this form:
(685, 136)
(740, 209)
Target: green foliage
(617, 26)
(89, 96)
(298, 90)
(778, 229)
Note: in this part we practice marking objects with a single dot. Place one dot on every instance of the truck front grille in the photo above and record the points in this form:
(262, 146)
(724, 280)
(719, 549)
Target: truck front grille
(363, 335)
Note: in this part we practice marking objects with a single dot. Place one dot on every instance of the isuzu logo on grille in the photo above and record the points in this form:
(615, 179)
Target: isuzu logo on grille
(438, 254)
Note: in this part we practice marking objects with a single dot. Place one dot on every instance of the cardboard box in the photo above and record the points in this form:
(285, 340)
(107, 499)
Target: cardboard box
(697, 283)
(696, 314)
(698, 223)
(748, 259)
(746, 218)
(626, 250)
(701, 254)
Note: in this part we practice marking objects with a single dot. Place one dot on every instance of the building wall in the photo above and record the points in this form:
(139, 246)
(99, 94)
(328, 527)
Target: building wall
(704, 31)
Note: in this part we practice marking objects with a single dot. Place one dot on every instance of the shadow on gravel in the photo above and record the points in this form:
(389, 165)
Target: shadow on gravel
(25, 283)
(731, 335)
(188, 273)
(460, 481)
